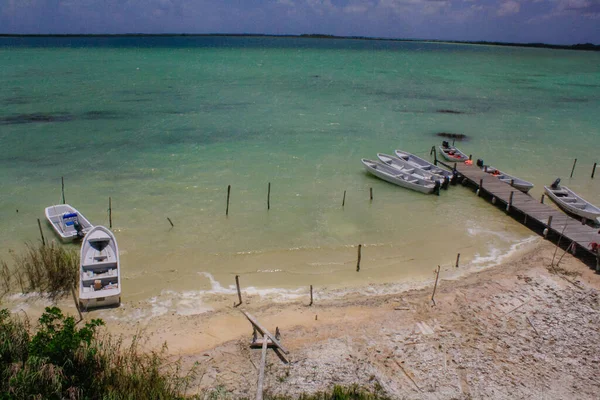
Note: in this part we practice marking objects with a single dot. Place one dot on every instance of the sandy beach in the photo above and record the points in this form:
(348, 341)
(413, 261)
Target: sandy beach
(521, 329)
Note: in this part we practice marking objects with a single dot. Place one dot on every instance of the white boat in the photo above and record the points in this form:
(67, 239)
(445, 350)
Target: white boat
(515, 182)
(451, 153)
(571, 202)
(425, 165)
(100, 270)
(404, 179)
(67, 222)
(404, 166)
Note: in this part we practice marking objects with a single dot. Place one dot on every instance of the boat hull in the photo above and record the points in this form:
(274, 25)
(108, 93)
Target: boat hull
(100, 270)
(383, 173)
(418, 162)
(66, 233)
(515, 182)
(457, 156)
(590, 211)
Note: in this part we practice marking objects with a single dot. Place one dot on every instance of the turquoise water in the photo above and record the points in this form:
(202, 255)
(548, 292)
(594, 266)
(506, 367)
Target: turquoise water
(163, 125)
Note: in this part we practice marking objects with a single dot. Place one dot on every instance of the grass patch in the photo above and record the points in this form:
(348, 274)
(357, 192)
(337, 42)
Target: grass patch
(51, 270)
(353, 392)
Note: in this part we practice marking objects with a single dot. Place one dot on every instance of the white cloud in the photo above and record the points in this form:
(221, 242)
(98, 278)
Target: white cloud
(509, 7)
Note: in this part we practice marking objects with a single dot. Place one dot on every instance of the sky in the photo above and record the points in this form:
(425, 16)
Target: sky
(548, 21)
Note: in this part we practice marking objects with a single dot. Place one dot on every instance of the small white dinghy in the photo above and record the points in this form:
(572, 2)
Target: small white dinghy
(571, 202)
(406, 167)
(67, 222)
(404, 179)
(425, 165)
(451, 153)
(100, 272)
(515, 182)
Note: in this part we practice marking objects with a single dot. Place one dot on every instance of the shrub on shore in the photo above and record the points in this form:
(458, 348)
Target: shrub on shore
(61, 361)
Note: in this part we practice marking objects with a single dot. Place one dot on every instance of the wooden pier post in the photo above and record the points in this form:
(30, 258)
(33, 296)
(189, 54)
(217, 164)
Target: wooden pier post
(359, 256)
(110, 212)
(510, 201)
(480, 187)
(598, 260)
(228, 193)
(457, 259)
(549, 221)
(371, 193)
(41, 233)
(269, 196)
(542, 199)
(344, 199)
(171, 222)
(237, 284)
(512, 182)
(574, 163)
(62, 180)
(470, 156)
(311, 296)
(435, 161)
(437, 276)
(593, 170)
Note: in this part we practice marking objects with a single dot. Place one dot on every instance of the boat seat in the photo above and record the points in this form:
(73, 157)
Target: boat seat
(409, 170)
(578, 205)
(412, 180)
(569, 200)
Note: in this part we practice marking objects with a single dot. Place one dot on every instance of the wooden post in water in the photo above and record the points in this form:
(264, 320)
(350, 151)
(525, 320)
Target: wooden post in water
(344, 199)
(574, 162)
(359, 256)
(311, 296)
(593, 170)
(480, 187)
(237, 284)
(512, 182)
(41, 233)
(269, 196)
(549, 221)
(598, 260)
(457, 259)
(437, 276)
(470, 156)
(453, 141)
(62, 180)
(171, 222)
(510, 201)
(434, 155)
(228, 193)
(110, 212)
(371, 193)
(542, 199)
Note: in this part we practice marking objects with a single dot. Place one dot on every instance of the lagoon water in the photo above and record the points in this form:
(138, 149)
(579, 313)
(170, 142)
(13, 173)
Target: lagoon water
(162, 125)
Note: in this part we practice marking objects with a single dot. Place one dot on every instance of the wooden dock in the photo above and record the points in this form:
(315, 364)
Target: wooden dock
(552, 223)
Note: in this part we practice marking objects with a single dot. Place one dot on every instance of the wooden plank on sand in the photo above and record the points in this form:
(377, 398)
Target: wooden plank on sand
(264, 331)
(261, 371)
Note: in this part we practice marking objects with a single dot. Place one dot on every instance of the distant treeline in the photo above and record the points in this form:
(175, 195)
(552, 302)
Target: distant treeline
(579, 46)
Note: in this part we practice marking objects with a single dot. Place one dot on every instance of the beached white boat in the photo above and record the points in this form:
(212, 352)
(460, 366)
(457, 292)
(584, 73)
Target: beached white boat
(451, 153)
(404, 166)
(425, 165)
(67, 222)
(100, 270)
(571, 202)
(404, 179)
(515, 182)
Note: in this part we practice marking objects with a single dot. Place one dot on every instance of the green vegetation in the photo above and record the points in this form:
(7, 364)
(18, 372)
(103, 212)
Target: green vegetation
(51, 270)
(338, 393)
(61, 361)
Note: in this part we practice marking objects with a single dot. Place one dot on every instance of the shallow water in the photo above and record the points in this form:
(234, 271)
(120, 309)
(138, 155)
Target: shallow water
(163, 125)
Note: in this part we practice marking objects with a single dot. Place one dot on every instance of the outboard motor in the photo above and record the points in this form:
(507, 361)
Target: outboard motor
(446, 183)
(79, 229)
(556, 184)
(445, 144)
(436, 188)
(480, 163)
(454, 178)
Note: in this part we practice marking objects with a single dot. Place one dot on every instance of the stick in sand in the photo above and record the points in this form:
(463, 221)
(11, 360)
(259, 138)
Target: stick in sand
(437, 276)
